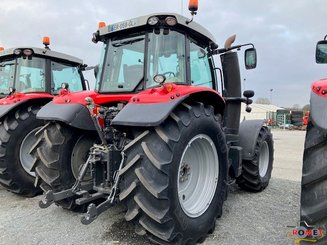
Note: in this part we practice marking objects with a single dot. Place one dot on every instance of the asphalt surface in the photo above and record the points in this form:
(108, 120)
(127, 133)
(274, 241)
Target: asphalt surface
(248, 218)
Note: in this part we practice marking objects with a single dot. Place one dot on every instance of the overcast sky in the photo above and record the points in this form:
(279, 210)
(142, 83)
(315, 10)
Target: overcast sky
(284, 32)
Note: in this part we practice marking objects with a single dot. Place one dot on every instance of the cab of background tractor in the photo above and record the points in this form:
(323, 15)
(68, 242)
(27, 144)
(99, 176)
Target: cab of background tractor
(29, 78)
(39, 70)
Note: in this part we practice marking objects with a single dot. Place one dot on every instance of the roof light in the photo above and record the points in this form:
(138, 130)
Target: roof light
(159, 78)
(153, 20)
(193, 5)
(17, 52)
(101, 24)
(171, 21)
(27, 52)
(46, 40)
(2, 49)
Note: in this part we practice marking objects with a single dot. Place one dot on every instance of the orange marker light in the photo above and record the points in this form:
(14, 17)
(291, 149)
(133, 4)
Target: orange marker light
(2, 49)
(168, 87)
(46, 41)
(193, 5)
(101, 24)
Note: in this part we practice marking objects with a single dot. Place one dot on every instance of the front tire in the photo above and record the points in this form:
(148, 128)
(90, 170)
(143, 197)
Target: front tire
(256, 173)
(58, 153)
(174, 179)
(16, 137)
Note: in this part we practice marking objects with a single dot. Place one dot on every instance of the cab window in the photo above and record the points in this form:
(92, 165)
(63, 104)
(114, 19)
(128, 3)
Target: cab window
(30, 76)
(200, 67)
(62, 73)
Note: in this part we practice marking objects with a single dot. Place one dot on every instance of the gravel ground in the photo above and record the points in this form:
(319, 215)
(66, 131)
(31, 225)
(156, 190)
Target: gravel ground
(248, 218)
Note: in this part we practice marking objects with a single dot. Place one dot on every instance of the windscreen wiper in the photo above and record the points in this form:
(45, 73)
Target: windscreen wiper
(122, 43)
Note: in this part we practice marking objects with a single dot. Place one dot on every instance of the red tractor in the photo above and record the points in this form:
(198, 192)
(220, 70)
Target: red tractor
(168, 152)
(314, 171)
(29, 78)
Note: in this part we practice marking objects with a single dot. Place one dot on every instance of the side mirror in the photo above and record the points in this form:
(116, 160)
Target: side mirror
(321, 52)
(250, 58)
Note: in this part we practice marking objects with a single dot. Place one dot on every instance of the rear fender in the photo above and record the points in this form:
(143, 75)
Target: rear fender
(153, 114)
(6, 108)
(249, 132)
(318, 111)
(75, 115)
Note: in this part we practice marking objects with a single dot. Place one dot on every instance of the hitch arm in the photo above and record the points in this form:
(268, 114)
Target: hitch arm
(50, 197)
(94, 211)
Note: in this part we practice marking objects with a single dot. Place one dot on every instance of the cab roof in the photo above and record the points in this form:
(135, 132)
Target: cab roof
(182, 23)
(47, 53)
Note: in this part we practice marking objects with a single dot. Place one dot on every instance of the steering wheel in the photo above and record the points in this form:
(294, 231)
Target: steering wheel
(169, 73)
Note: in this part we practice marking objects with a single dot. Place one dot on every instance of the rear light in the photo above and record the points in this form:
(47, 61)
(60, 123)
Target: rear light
(1, 49)
(171, 21)
(153, 20)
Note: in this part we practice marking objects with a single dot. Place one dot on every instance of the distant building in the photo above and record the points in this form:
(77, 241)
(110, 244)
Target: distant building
(259, 111)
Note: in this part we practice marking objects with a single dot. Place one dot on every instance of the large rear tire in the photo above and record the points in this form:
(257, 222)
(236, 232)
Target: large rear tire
(174, 179)
(59, 152)
(256, 173)
(314, 180)
(17, 131)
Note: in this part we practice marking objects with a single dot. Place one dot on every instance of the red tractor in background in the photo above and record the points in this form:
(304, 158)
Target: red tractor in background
(29, 78)
(314, 171)
(168, 142)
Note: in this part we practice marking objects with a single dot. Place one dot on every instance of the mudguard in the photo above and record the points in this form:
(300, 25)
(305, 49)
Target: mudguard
(4, 109)
(249, 132)
(151, 114)
(318, 111)
(151, 107)
(75, 115)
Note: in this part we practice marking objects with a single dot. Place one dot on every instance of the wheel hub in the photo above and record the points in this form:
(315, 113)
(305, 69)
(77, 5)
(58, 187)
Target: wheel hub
(184, 172)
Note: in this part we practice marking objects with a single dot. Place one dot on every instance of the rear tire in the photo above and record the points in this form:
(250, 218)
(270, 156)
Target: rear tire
(256, 173)
(54, 152)
(161, 172)
(314, 180)
(16, 135)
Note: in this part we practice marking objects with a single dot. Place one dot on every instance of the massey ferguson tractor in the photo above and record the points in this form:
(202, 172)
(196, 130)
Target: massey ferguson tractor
(168, 143)
(314, 171)
(29, 78)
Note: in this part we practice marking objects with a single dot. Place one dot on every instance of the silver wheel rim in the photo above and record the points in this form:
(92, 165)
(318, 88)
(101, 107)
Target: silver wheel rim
(198, 175)
(26, 159)
(79, 156)
(264, 159)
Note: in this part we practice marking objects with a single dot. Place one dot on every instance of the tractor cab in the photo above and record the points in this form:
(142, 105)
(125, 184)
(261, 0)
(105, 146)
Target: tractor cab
(38, 70)
(144, 52)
